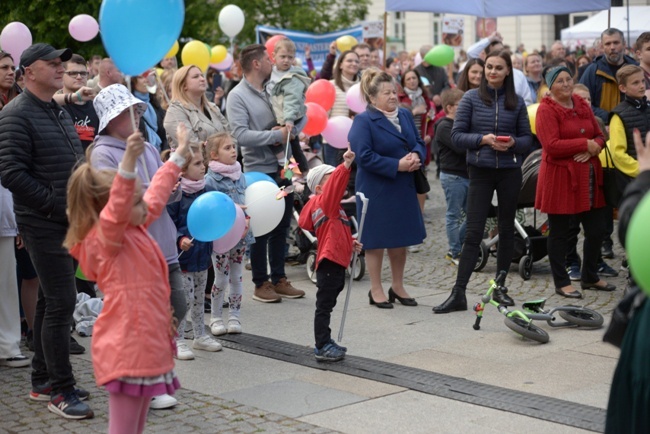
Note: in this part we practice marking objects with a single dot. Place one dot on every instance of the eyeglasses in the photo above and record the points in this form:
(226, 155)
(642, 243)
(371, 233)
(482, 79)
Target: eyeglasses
(76, 73)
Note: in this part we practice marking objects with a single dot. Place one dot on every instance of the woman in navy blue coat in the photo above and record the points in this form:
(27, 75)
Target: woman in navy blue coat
(492, 125)
(389, 149)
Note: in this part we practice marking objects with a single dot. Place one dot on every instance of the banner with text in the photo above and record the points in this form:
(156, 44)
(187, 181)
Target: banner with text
(318, 43)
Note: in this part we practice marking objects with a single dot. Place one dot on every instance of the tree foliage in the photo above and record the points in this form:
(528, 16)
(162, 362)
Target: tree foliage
(48, 19)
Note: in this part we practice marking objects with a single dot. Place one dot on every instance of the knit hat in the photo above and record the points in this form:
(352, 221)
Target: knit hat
(113, 100)
(315, 175)
(552, 74)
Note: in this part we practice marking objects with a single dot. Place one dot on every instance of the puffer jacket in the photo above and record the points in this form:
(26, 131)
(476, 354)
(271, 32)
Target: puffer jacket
(199, 256)
(39, 148)
(474, 119)
(236, 190)
(288, 96)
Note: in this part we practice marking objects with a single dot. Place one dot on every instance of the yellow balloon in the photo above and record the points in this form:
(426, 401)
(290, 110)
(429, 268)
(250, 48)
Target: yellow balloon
(196, 53)
(219, 53)
(172, 51)
(532, 114)
(345, 43)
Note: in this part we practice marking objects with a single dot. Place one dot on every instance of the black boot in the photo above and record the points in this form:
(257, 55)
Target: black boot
(455, 302)
(500, 295)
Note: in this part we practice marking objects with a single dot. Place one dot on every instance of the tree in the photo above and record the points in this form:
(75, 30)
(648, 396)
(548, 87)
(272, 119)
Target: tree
(48, 19)
(48, 22)
(318, 16)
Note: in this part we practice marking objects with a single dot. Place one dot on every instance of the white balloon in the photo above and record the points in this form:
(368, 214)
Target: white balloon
(262, 207)
(231, 20)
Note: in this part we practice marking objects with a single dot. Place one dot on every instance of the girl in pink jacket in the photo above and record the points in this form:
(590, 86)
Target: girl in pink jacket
(109, 216)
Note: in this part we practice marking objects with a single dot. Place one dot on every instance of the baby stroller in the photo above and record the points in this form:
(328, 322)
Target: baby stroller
(530, 241)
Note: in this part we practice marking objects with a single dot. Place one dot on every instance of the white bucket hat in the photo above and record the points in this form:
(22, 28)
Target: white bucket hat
(113, 100)
(316, 175)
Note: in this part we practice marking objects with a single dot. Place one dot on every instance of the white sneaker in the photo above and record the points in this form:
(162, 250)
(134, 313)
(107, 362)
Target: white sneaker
(414, 249)
(234, 326)
(183, 352)
(217, 328)
(162, 401)
(206, 343)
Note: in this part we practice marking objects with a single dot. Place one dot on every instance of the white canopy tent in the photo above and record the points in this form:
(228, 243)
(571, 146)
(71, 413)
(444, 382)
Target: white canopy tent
(497, 8)
(592, 27)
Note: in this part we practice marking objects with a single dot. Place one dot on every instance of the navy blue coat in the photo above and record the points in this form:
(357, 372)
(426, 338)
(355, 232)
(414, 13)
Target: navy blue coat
(199, 256)
(474, 119)
(393, 218)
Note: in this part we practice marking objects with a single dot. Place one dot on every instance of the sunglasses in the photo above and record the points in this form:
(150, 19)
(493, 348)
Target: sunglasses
(76, 73)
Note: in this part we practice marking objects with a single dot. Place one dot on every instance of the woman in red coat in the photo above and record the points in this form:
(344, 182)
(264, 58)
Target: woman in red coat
(570, 179)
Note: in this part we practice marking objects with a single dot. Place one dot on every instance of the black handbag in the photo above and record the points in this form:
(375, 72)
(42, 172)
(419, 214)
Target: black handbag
(421, 182)
(622, 316)
(614, 181)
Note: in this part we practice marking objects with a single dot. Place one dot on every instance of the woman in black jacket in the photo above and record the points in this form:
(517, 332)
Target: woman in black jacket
(492, 125)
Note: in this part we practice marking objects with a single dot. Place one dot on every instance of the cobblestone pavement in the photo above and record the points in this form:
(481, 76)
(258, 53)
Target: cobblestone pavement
(195, 412)
(198, 412)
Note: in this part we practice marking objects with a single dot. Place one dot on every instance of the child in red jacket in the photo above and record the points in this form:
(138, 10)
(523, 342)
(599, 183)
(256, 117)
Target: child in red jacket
(324, 215)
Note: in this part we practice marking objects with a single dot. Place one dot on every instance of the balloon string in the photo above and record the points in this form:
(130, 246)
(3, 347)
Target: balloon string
(131, 112)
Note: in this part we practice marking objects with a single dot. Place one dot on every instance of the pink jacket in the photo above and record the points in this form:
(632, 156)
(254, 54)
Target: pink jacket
(133, 335)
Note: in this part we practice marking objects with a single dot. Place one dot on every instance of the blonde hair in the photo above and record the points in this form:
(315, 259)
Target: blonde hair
(371, 81)
(214, 143)
(196, 148)
(88, 192)
(582, 87)
(178, 82)
(285, 43)
(626, 71)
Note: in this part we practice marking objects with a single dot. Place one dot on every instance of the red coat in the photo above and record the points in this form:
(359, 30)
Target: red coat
(323, 214)
(563, 184)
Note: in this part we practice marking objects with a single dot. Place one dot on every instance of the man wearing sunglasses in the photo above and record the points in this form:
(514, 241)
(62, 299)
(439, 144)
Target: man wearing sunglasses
(77, 98)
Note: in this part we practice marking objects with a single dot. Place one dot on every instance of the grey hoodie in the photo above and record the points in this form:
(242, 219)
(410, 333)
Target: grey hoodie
(107, 154)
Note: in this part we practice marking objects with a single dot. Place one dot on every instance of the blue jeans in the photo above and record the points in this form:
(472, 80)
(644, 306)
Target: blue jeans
(57, 296)
(455, 188)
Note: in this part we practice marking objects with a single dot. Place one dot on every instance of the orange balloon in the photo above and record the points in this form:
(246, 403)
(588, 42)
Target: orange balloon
(321, 92)
(316, 119)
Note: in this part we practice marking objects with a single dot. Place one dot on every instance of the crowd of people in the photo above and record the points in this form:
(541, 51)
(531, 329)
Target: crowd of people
(86, 192)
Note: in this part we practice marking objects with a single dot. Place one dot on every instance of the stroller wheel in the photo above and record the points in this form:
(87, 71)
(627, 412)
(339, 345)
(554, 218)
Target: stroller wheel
(526, 267)
(483, 256)
(359, 268)
(311, 266)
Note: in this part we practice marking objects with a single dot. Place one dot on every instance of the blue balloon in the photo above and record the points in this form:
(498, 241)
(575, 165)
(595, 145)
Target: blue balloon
(138, 33)
(253, 177)
(211, 216)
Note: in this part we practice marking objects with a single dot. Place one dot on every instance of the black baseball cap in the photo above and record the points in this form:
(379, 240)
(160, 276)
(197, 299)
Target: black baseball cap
(41, 51)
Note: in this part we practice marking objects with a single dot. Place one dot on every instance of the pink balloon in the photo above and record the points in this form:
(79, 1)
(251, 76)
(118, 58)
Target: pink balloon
(355, 102)
(336, 131)
(233, 236)
(83, 27)
(14, 39)
(224, 64)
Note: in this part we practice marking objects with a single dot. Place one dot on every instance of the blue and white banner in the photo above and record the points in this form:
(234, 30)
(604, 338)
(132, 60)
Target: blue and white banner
(319, 43)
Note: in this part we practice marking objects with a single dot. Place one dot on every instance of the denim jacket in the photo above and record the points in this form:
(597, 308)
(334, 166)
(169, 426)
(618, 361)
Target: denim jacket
(236, 191)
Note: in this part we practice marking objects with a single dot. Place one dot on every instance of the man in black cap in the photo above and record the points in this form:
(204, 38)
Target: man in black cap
(39, 148)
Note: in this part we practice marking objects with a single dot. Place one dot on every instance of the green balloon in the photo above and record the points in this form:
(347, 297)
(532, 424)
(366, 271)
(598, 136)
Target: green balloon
(637, 244)
(209, 49)
(440, 55)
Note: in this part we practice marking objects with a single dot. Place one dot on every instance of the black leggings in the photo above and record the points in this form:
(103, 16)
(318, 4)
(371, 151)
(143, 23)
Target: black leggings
(482, 184)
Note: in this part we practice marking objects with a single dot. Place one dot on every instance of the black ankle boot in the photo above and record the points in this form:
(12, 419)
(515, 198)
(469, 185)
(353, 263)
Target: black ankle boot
(455, 302)
(500, 295)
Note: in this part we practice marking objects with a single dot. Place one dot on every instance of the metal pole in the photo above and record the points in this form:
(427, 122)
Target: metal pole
(383, 63)
(364, 208)
(628, 24)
